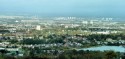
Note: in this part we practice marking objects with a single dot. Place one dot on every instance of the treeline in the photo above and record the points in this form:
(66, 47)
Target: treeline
(69, 38)
(100, 37)
(32, 41)
(72, 54)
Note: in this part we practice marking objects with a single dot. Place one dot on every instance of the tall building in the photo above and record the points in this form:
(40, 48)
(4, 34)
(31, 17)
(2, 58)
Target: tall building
(91, 22)
(84, 22)
(38, 27)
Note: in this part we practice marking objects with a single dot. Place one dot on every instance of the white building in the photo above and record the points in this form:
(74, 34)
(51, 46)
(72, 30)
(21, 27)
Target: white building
(38, 27)
(27, 21)
(84, 22)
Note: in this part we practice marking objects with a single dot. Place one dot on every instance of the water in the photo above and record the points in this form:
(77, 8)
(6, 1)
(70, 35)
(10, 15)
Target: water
(105, 48)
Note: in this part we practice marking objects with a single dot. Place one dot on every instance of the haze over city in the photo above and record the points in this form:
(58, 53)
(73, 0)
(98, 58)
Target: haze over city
(86, 8)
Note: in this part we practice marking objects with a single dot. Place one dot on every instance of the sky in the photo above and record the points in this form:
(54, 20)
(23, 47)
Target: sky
(109, 8)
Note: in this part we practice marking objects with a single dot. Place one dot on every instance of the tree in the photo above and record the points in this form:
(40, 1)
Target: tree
(110, 55)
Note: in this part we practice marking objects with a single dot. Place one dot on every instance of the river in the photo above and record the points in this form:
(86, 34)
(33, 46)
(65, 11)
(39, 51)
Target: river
(106, 48)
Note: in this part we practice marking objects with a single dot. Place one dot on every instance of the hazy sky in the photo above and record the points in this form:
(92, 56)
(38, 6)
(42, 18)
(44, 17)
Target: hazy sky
(66, 7)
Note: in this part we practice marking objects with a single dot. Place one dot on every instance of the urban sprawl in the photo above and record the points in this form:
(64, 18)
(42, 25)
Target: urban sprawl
(33, 37)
